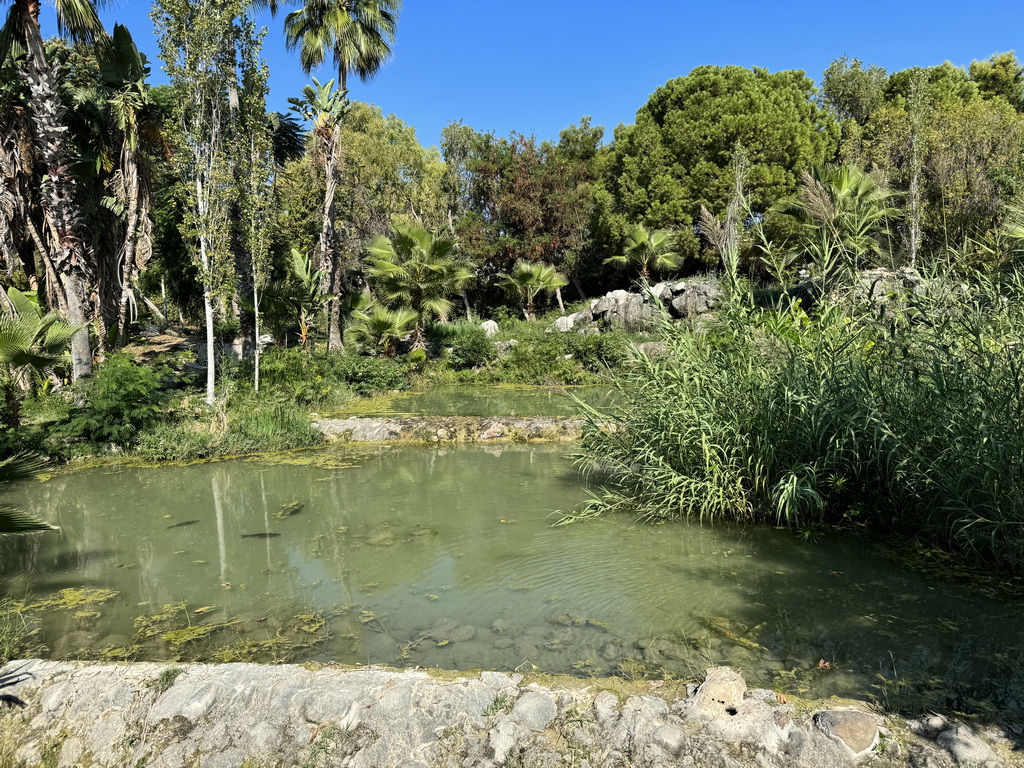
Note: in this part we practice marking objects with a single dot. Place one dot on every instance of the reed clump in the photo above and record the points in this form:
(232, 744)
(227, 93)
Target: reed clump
(906, 413)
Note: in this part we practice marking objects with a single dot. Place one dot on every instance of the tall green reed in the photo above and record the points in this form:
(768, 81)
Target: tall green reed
(905, 414)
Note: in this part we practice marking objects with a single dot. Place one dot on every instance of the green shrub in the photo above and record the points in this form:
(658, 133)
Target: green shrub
(467, 344)
(324, 378)
(908, 418)
(371, 375)
(121, 399)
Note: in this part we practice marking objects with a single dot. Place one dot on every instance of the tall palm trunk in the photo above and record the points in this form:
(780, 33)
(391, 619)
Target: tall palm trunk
(128, 261)
(61, 215)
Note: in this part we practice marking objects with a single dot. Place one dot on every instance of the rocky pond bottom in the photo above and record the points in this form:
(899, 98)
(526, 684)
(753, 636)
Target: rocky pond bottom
(446, 558)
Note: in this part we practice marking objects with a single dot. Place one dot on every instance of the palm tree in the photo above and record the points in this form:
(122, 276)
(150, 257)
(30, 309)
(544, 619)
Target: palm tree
(357, 34)
(121, 130)
(527, 280)
(843, 210)
(30, 342)
(20, 467)
(418, 271)
(647, 250)
(381, 327)
(325, 107)
(65, 246)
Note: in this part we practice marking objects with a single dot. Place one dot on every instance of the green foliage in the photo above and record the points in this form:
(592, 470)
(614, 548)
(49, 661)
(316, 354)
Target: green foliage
(381, 329)
(31, 341)
(122, 399)
(799, 420)
(541, 357)
(464, 344)
(844, 213)
(677, 157)
(648, 251)
(526, 280)
(317, 379)
(417, 271)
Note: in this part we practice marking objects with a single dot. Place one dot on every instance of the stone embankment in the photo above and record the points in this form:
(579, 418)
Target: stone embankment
(232, 715)
(448, 429)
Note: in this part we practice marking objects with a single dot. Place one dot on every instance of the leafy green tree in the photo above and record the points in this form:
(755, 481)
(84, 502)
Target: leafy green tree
(197, 46)
(527, 280)
(522, 200)
(650, 251)
(677, 156)
(1000, 75)
(31, 341)
(64, 244)
(418, 271)
(852, 90)
(117, 131)
(957, 155)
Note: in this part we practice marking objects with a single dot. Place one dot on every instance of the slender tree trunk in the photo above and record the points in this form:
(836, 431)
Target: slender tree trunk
(558, 295)
(211, 378)
(579, 288)
(256, 332)
(67, 248)
(328, 241)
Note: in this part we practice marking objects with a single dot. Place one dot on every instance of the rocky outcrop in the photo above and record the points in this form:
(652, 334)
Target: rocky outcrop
(226, 716)
(640, 312)
(448, 429)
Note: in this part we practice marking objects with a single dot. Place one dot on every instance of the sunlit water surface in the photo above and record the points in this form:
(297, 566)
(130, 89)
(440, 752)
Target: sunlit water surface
(447, 558)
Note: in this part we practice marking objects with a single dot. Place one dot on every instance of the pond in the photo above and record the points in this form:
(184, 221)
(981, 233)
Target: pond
(483, 400)
(447, 558)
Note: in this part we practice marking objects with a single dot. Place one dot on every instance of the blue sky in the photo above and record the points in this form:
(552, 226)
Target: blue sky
(536, 66)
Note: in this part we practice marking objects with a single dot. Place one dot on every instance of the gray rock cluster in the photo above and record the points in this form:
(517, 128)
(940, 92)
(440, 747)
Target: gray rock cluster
(224, 716)
(639, 312)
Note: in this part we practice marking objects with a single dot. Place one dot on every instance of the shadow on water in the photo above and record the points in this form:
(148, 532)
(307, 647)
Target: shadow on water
(844, 616)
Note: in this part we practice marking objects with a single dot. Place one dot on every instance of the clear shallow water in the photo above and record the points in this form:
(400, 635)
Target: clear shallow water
(484, 400)
(446, 558)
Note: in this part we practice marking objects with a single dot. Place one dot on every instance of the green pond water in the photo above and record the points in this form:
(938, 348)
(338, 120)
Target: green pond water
(446, 558)
(483, 400)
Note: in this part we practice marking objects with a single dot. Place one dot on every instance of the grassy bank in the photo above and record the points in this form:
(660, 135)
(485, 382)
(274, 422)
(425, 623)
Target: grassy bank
(905, 417)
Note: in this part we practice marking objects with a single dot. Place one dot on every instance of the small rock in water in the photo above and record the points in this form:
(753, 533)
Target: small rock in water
(503, 642)
(291, 508)
(500, 625)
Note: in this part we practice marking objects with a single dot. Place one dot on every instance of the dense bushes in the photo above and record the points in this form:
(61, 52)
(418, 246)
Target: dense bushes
(462, 344)
(120, 401)
(538, 356)
(317, 379)
(908, 417)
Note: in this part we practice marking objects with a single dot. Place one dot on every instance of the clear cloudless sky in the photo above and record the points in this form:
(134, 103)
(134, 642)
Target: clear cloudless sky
(536, 66)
